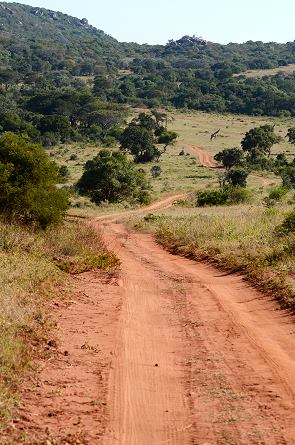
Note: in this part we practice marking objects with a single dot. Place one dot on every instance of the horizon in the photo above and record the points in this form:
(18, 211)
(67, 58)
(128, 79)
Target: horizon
(111, 19)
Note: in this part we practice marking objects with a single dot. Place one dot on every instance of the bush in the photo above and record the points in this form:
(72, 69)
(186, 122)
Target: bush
(28, 183)
(288, 177)
(156, 171)
(237, 177)
(111, 176)
(288, 225)
(275, 195)
(212, 198)
(228, 195)
(238, 195)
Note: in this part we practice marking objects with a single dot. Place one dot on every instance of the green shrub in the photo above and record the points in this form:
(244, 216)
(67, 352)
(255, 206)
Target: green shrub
(275, 195)
(212, 198)
(238, 195)
(228, 195)
(28, 183)
(288, 177)
(156, 171)
(288, 225)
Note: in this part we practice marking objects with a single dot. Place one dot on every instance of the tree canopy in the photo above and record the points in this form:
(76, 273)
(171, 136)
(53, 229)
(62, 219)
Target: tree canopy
(28, 183)
(111, 177)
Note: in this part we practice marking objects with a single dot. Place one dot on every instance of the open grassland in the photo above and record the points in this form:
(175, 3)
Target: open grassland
(181, 172)
(289, 69)
(32, 270)
(241, 238)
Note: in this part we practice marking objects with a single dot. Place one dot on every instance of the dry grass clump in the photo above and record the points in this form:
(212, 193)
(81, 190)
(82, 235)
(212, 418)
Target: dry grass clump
(32, 264)
(241, 238)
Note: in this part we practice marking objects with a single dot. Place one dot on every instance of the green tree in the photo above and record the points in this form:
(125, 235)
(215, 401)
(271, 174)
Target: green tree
(291, 135)
(262, 138)
(28, 183)
(230, 157)
(167, 138)
(140, 142)
(236, 177)
(288, 176)
(111, 176)
(60, 125)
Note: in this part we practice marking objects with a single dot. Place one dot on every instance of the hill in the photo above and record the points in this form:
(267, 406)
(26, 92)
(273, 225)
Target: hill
(48, 49)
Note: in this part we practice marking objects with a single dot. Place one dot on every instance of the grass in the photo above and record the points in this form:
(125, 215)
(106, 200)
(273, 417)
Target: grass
(289, 69)
(32, 267)
(179, 173)
(238, 238)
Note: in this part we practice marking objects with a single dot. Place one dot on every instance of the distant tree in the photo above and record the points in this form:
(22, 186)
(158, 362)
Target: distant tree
(281, 160)
(230, 157)
(288, 176)
(140, 142)
(56, 124)
(237, 177)
(167, 138)
(111, 176)
(102, 84)
(156, 171)
(291, 135)
(262, 138)
(28, 183)
(64, 172)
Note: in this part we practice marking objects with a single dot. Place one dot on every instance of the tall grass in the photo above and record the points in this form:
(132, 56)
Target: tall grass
(32, 264)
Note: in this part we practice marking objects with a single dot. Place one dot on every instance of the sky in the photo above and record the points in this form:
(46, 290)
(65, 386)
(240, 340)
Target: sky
(157, 21)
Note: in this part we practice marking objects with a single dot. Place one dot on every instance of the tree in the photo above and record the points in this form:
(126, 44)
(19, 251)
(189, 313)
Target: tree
(291, 135)
(262, 138)
(140, 142)
(167, 138)
(230, 157)
(288, 176)
(56, 124)
(111, 176)
(28, 183)
(236, 177)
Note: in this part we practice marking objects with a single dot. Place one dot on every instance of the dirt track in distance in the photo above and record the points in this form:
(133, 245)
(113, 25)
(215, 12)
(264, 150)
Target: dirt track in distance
(174, 352)
(205, 159)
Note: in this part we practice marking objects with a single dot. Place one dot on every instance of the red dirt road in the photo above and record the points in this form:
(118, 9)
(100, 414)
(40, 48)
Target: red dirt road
(225, 355)
(173, 352)
(204, 158)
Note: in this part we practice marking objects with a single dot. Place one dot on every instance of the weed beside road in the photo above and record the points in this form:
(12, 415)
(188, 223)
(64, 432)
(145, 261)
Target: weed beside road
(32, 270)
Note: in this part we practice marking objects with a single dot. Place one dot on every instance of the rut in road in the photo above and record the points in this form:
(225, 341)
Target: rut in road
(201, 357)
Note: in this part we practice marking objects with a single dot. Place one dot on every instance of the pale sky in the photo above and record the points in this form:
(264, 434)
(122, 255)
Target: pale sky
(156, 21)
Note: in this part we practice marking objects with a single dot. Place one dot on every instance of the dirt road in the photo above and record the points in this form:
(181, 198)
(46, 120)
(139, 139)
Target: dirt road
(172, 352)
(201, 357)
(205, 159)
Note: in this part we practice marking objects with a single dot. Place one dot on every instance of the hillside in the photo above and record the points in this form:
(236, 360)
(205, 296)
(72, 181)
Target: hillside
(49, 50)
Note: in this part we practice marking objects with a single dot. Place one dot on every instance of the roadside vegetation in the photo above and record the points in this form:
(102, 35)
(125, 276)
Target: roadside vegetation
(37, 248)
(256, 240)
(33, 267)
